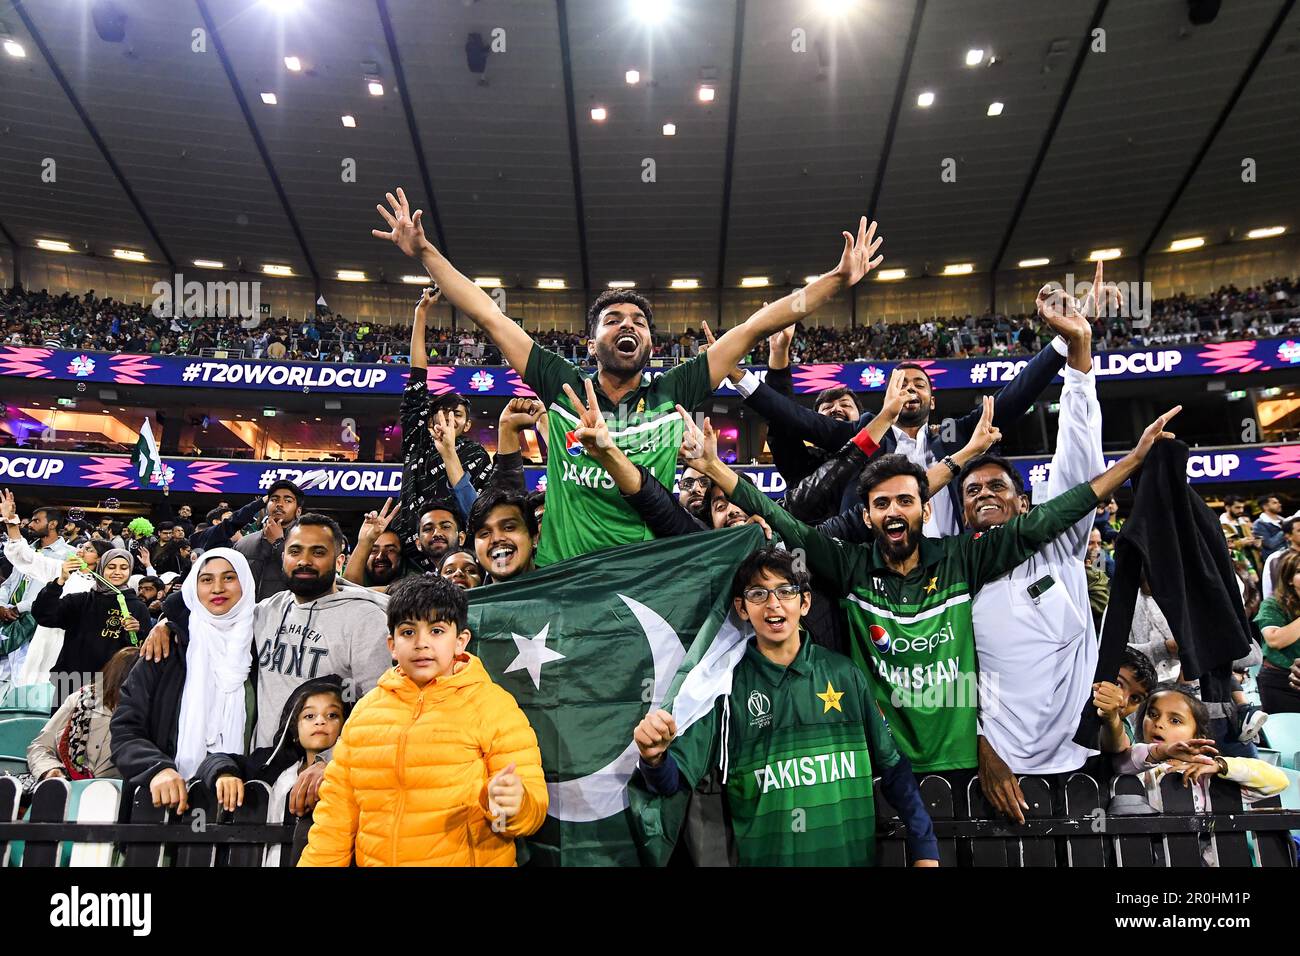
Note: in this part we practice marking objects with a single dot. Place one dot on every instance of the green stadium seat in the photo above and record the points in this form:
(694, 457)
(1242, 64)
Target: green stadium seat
(1283, 735)
(15, 734)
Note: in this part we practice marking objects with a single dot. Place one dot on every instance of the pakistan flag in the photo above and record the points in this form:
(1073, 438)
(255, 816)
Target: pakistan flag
(589, 645)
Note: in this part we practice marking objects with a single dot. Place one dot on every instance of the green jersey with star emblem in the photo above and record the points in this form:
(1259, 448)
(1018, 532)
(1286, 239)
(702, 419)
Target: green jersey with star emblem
(797, 745)
(913, 635)
(584, 510)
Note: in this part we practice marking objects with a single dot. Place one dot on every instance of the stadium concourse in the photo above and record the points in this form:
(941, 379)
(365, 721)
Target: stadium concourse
(539, 465)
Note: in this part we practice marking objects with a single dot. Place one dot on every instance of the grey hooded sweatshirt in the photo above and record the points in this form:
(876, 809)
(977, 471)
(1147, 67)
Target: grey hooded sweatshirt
(344, 633)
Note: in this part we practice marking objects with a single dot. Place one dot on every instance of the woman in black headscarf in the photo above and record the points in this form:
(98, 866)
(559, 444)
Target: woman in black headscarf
(96, 623)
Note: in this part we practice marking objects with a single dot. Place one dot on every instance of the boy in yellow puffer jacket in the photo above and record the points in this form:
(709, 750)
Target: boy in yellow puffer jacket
(437, 766)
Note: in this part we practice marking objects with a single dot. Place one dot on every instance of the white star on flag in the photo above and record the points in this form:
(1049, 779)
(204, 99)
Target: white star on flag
(533, 653)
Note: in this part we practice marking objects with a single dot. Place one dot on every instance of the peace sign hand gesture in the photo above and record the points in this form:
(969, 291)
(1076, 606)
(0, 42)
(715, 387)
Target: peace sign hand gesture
(405, 230)
(377, 522)
(592, 430)
(986, 434)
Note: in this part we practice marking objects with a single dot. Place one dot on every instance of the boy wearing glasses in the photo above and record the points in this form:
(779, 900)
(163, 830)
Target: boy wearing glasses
(797, 740)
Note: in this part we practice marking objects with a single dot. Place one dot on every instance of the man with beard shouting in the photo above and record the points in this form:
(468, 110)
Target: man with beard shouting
(585, 511)
(908, 597)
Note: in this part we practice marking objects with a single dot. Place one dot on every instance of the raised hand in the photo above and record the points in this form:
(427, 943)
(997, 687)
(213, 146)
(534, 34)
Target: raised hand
(1155, 432)
(1109, 699)
(8, 508)
(654, 735)
(699, 444)
(986, 434)
(520, 413)
(427, 299)
(778, 347)
(896, 393)
(592, 430)
(70, 567)
(405, 230)
(444, 433)
(377, 522)
(856, 260)
(1063, 313)
(272, 530)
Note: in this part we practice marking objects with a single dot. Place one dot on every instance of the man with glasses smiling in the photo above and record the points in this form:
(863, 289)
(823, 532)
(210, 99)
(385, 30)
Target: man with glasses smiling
(797, 740)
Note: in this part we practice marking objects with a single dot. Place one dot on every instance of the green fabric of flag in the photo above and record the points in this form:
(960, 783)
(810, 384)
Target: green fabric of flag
(587, 647)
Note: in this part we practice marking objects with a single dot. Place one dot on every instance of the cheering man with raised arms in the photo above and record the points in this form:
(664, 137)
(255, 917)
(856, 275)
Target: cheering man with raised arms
(585, 511)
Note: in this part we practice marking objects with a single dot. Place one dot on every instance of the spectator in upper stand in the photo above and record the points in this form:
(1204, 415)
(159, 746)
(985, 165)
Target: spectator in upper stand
(1268, 526)
(426, 476)
(264, 549)
(1239, 530)
(1273, 566)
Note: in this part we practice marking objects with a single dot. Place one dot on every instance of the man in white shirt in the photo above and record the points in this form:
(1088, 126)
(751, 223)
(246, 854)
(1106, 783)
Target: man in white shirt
(1291, 539)
(1034, 632)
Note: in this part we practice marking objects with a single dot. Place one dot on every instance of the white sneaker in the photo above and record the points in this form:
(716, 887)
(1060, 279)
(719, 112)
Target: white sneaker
(1251, 727)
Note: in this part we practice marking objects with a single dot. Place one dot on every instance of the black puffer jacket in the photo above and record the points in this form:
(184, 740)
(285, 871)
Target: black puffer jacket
(92, 631)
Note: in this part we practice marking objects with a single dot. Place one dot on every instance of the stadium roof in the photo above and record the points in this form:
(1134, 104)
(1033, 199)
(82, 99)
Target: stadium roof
(162, 142)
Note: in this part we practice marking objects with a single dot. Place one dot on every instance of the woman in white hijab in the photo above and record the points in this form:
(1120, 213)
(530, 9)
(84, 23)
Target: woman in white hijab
(176, 711)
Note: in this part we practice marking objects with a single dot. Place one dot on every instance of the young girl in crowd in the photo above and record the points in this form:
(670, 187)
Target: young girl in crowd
(460, 566)
(96, 623)
(74, 744)
(1173, 730)
(310, 725)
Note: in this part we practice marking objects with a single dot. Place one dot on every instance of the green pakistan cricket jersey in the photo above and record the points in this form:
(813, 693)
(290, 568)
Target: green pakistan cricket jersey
(798, 744)
(584, 510)
(913, 635)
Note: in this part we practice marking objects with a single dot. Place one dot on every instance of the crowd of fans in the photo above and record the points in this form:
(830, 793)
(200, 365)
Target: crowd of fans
(103, 324)
(905, 575)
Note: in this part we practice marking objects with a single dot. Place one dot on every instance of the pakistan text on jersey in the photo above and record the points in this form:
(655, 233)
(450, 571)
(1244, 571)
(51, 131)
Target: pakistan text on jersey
(592, 476)
(808, 771)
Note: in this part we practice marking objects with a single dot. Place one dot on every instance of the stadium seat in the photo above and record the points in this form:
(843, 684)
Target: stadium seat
(1283, 734)
(32, 699)
(15, 735)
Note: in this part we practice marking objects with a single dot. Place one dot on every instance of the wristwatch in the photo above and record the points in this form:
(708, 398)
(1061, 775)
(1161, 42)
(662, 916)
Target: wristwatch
(952, 465)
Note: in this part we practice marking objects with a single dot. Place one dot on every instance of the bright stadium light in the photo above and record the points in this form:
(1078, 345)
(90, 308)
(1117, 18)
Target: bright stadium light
(53, 245)
(292, 64)
(273, 270)
(416, 280)
(633, 77)
(550, 284)
(1101, 255)
(131, 255)
(974, 57)
(375, 87)
(891, 275)
(209, 263)
(488, 282)
(684, 284)
(706, 94)
(810, 279)
(622, 284)
(925, 100)
(1268, 232)
(754, 282)
(349, 121)
(350, 275)
(1183, 245)
(959, 269)
(598, 113)
(995, 108)
(650, 12)
(670, 129)
(15, 49)
(1033, 263)
(269, 99)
